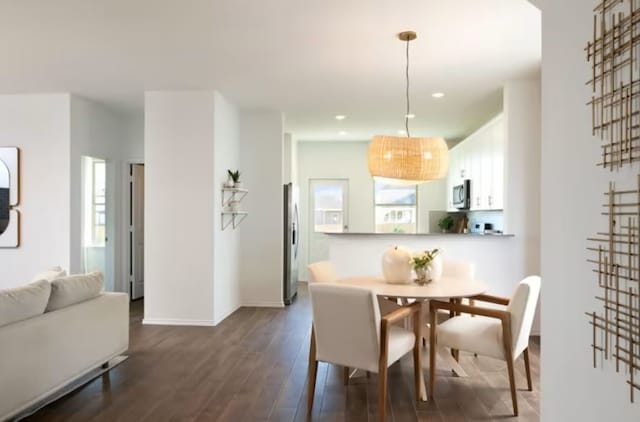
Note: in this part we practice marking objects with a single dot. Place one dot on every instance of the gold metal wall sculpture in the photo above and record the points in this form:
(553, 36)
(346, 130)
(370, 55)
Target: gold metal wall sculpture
(616, 260)
(614, 54)
(615, 103)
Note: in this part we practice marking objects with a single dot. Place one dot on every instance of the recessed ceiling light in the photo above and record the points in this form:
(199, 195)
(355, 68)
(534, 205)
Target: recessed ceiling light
(402, 132)
(410, 116)
(342, 133)
(437, 94)
(341, 117)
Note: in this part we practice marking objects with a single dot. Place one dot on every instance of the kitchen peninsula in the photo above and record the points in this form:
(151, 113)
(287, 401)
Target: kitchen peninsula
(497, 259)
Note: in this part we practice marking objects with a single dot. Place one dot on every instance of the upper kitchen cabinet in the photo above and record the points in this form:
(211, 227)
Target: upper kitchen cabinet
(480, 158)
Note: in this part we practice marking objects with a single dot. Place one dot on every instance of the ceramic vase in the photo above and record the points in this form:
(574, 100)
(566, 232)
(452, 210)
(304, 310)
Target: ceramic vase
(436, 267)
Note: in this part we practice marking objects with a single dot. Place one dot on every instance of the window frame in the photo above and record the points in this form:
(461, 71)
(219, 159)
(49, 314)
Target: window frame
(383, 204)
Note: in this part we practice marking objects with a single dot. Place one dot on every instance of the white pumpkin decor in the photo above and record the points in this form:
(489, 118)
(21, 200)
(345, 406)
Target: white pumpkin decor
(396, 265)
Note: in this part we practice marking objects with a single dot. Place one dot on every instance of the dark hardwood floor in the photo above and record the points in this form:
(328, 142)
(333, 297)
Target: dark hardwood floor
(253, 367)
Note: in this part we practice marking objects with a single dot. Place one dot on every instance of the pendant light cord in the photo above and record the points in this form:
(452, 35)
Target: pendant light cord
(406, 117)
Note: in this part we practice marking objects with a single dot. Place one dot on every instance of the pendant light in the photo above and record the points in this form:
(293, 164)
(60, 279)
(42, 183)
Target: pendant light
(403, 160)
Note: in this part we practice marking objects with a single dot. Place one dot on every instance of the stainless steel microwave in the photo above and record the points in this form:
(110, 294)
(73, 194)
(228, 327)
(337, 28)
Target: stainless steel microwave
(462, 195)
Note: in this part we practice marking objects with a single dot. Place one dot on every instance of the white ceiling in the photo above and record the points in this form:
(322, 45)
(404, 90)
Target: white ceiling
(310, 59)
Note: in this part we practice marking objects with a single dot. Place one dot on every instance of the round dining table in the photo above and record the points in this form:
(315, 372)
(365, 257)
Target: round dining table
(443, 288)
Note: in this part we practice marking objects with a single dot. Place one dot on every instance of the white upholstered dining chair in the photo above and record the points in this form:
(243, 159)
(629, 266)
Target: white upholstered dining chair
(325, 272)
(499, 333)
(462, 270)
(322, 272)
(348, 330)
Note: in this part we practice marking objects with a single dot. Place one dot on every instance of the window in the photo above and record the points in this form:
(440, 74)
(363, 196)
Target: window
(395, 208)
(94, 202)
(328, 203)
(98, 202)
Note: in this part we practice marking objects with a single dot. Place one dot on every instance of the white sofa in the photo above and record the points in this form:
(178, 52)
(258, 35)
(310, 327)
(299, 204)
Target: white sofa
(41, 354)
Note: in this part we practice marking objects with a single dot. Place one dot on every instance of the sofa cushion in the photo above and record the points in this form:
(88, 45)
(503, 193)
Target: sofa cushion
(50, 274)
(69, 290)
(23, 302)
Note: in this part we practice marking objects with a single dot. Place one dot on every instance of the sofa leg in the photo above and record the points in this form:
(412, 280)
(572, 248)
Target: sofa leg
(105, 365)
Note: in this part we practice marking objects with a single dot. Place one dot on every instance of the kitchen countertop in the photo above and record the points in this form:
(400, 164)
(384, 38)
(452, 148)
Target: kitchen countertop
(423, 234)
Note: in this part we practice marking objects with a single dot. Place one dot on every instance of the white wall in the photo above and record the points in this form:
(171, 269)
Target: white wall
(572, 188)
(98, 132)
(261, 234)
(39, 126)
(226, 139)
(133, 147)
(335, 160)
(179, 207)
(432, 196)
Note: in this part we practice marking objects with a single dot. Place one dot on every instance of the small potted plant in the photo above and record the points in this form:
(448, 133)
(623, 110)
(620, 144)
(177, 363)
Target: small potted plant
(234, 177)
(446, 223)
(422, 264)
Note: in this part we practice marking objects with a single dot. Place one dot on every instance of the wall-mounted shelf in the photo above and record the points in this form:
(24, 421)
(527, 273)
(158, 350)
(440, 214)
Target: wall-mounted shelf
(233, 218)
(232, 194)
(230, 217)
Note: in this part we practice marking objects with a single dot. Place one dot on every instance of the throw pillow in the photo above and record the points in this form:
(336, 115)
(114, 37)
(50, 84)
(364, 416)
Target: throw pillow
(50, 274)
(69, 290)
(23, 302)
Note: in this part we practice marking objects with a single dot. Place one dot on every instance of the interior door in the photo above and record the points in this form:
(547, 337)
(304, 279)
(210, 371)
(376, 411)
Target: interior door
(329, 213)
(136, 231)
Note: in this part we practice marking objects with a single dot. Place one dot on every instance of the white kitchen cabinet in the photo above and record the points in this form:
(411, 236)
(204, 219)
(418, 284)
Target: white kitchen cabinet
(480, 158)
(453, 176)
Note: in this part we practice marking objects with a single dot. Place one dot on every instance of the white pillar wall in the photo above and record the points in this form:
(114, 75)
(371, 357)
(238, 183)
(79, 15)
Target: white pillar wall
(261, 234)
(179, 207)
(196, 273)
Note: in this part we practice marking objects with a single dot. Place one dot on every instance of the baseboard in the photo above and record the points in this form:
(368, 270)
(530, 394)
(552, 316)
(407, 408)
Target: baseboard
(225, 316)
(263, 304)
(185, 322)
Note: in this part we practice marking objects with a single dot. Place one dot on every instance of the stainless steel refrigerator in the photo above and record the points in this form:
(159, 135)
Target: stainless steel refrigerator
(291, 240)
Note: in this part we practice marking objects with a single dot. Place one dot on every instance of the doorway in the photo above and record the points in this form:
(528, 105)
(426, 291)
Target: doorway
(328, 213)
(136, 231)
(97, 219)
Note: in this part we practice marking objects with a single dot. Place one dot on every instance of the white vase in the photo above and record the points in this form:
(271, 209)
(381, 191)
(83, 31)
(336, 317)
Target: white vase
(237, 185)
(228, 184)
(396, 265)
(436, 267)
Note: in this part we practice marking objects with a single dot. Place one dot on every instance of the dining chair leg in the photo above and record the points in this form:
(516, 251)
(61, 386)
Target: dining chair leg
(527, 368)
(512, 385)
(382, 392)
(432, 354)
(508, 353)
(313, 371)
(345, 375)
(417, 352)
(382, 370)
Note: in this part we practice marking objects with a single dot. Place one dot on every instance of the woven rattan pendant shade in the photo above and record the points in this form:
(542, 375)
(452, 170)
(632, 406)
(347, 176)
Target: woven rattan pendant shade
(408, 160)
